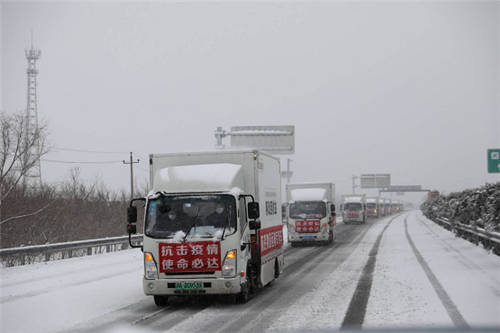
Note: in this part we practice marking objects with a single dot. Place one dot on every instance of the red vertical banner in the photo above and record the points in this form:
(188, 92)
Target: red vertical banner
(190, 257)
(271, 239)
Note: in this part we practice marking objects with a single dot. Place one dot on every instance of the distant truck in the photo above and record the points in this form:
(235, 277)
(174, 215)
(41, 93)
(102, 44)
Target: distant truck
(432, 195)
(311, 213)
(373, 206)
(354, 208)
(212, 224)
(387, 207)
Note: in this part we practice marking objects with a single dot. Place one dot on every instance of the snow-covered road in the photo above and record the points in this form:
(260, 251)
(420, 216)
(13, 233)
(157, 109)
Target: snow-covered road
(399, 271)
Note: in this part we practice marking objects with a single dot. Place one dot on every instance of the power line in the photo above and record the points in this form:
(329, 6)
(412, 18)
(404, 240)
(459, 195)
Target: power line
(81, 162)
(89, 151)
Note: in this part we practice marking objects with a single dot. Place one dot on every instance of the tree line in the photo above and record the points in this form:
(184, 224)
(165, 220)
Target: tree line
(32, 214)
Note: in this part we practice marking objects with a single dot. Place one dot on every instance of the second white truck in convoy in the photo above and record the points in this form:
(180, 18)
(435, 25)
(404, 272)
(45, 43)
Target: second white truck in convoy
(354, 208)
(311, 212)
(212, 224)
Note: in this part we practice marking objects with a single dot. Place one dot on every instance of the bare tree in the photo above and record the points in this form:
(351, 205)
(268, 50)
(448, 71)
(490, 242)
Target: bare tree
(20, 150)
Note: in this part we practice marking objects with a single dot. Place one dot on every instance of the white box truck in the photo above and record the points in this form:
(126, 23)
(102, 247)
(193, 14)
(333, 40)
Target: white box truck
(354, 208)
(311, 212)
(388, 206)
(382, 208)
(212, 224)
(373, 206)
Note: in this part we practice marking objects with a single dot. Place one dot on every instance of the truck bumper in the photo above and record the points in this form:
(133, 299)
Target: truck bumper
(212, 286)
(353, 219)
(296, 237)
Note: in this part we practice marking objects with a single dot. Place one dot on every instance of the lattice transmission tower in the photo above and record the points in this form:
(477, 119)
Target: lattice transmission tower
(33, 175)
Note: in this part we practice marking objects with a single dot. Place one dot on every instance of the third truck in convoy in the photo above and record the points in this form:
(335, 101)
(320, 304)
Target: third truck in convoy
(311, 212)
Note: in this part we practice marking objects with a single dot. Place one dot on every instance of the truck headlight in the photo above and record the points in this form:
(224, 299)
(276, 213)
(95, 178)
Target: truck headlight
(150, 270)
(229, 265)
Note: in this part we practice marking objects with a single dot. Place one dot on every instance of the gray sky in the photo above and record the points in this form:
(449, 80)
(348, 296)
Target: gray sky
(411, 89)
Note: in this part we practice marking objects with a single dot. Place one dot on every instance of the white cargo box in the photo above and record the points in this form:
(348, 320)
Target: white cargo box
(310, 192)
(241, 172)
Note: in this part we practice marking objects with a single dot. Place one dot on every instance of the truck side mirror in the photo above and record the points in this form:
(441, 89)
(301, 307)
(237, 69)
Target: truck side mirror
(253, 210)
(131, 214)
(131, 228)
(254, 225)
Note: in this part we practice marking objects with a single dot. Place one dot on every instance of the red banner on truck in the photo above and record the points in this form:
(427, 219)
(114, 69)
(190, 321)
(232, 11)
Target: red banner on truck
(190, 257)
(307, 225)
(271, 239)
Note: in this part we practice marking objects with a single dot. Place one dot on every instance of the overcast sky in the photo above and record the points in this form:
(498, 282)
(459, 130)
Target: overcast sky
(411, 89)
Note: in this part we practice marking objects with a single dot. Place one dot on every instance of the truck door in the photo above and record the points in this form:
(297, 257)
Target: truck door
(251, 252)
(243, 227)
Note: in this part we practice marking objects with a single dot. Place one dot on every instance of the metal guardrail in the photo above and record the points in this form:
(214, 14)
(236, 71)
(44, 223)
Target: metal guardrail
(489, 239)
(39, 253)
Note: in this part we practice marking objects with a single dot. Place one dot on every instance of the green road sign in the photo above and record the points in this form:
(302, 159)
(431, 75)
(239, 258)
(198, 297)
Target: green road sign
(493, 160)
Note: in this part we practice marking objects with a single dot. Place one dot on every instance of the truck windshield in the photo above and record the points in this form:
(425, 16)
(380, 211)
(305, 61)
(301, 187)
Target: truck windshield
(203, 216)
(307, 209)
(352, 206)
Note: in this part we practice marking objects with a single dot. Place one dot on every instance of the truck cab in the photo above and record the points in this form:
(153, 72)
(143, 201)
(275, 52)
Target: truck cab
(373, 207)
(311, 213)
(354, 209)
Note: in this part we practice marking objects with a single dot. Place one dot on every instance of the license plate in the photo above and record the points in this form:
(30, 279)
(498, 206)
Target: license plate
(188, 285)
(308, 237)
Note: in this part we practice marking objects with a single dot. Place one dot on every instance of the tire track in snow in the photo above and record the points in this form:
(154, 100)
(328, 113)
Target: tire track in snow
(224, 312)
(174, 314)
(445, 299)
(265, 319)
(356, 311)
(254, 319)
(153, 317)
(227, 314)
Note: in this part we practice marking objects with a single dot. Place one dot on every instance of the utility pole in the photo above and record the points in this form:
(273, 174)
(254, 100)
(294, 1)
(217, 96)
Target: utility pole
(354, 184)
(288, 171)
(131, 162)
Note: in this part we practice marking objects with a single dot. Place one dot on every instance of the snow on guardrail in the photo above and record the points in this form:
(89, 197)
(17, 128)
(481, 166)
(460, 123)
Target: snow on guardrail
(38, 253)
(489, 239)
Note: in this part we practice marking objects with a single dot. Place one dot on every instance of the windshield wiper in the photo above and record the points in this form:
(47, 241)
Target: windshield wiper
(187, 233)
(192, 225)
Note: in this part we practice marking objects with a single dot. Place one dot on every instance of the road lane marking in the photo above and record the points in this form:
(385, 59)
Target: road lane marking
(445, 299)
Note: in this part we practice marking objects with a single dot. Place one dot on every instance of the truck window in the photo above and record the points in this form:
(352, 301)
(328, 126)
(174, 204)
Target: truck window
(352, 206)
(307, 209)
(243, 215)
(203, 216)
(371, 205)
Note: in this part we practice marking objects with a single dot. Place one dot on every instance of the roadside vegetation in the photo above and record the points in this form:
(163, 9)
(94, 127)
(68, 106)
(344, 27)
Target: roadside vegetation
(33, 214)
(479, 207)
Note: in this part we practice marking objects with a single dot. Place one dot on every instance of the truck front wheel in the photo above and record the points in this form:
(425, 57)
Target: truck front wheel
(160, 300)
(243, 296)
